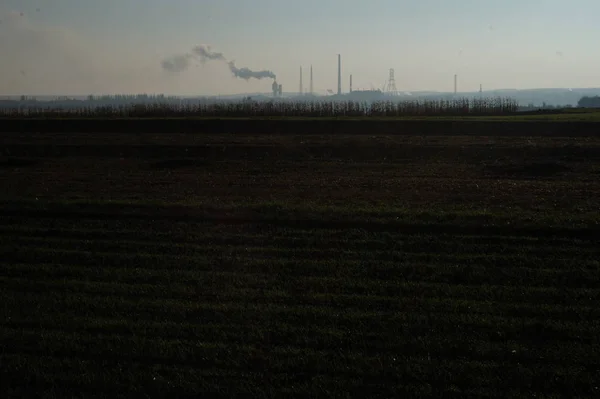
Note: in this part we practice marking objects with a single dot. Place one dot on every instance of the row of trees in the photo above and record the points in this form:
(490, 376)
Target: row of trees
(250, 108)
(589, 102)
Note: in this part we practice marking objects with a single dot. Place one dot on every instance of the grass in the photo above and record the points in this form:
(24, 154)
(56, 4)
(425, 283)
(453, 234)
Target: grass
(224, 265)
(557, 116)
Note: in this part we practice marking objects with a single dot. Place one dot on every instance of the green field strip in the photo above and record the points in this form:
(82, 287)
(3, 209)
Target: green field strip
(284, 297)
(186, 382)
(415, 273)
(414, 317)
(210, 289)
(557, 224)
(282, 214)
(569, 259)
(201, 234)
(231, 280)
(529, 360)
(60, 377)
(572, 273)
(177, 225)
(243, 138)
(217, 351)
(407, 272)
(569, 114)
(287, 142)
(368, 122)
(318, 356)
(401, 374)
(409, 245)
(558, 324)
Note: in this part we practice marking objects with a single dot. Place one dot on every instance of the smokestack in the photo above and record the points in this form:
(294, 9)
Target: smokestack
(455, 84)
(350, 83)
(301, 88)
(311, 81)
(339, 74)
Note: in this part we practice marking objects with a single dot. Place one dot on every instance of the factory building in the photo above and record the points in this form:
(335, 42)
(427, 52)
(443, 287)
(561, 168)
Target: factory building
(277, 89)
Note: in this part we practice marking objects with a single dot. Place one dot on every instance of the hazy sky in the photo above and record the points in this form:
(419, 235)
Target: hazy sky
(116, 46)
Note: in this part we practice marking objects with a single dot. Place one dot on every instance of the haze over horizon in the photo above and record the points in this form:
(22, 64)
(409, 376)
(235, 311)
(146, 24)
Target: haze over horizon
(79, 47)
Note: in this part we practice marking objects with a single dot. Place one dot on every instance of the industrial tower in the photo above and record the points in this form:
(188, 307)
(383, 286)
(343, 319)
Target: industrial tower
(455, 84)
(339, 92)
(311, 81)
(390, 87)
(301, 88)
(277, 89)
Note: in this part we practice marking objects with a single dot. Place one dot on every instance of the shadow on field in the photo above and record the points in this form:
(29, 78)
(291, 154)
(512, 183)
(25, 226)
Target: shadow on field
(527, 170)
(17, 162)
(179, 163)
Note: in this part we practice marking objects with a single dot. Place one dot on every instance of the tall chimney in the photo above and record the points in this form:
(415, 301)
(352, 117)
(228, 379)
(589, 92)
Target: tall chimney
(350, 83)
(301, 88)
(311, 81)
(339, 75)
(455, 84)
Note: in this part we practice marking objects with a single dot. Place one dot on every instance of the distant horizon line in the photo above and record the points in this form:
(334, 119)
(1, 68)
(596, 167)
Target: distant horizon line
(400, 92)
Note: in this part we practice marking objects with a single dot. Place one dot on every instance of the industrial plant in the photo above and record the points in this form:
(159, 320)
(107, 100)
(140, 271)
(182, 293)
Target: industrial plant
(277, 89)
(388, 90)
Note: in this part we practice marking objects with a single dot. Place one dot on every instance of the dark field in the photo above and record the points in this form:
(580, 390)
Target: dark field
(581, 124)
(295, 265)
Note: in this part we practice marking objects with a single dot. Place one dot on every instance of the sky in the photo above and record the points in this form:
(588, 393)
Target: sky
(80, 47)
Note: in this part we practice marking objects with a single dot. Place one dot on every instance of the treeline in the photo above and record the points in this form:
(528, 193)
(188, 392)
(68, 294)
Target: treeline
(65, 102)
(249, 108)
(589, 102)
